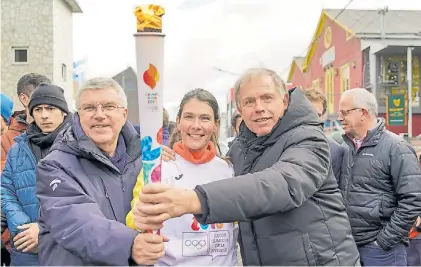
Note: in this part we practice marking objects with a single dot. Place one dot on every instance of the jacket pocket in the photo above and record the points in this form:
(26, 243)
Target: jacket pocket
(308, 249)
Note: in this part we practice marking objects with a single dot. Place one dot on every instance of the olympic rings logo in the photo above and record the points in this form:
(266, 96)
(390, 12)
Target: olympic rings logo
(199, 244)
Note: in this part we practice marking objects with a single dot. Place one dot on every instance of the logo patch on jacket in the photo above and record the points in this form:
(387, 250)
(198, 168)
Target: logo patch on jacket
(54, 183)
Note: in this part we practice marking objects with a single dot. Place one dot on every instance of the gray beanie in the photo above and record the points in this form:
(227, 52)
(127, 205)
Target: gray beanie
(48, 94)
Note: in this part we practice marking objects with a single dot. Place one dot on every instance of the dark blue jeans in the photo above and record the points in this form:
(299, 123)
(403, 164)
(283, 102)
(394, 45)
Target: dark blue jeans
(414, 252)
(23, 259)
(373, 255)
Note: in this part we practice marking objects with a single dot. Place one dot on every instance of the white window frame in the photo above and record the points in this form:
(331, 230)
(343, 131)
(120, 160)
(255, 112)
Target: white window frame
(14, 48)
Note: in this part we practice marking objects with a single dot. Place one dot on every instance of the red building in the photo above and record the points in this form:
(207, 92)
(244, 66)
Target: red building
(352, 51)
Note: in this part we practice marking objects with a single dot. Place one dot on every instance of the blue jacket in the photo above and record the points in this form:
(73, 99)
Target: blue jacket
(18, 200)
(84, 201)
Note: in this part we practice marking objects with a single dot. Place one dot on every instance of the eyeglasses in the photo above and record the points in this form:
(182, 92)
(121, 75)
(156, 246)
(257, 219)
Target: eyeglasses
(106, 109)
(344, 113)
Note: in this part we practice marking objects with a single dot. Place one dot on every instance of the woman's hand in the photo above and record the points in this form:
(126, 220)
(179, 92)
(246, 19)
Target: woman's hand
(167, 154)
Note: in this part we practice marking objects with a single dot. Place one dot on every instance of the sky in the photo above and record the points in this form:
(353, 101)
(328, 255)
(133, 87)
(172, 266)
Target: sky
(205, 35)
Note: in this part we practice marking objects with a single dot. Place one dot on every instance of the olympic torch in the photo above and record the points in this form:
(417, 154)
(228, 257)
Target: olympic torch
(149, 41)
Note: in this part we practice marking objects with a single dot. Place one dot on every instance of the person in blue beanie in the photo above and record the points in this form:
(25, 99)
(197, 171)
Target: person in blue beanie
(6, 112)
(6, 106)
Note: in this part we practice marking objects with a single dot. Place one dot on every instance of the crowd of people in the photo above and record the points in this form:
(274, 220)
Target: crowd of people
(72, 190)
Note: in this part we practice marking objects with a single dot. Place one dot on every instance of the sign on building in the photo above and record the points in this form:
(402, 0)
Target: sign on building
(396, 110)
(328, 57)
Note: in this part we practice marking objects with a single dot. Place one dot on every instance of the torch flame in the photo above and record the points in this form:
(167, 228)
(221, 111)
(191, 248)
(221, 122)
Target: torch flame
(149, 18)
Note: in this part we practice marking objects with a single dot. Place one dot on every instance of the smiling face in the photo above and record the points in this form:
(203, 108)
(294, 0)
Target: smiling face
(102, 116)
(47, 118)
(261, 105)
(197, 124)
(352, 118)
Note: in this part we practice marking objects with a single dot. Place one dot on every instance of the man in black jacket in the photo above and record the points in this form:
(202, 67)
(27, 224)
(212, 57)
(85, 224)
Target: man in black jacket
(380, 183)
(319, 102)
(284, 195)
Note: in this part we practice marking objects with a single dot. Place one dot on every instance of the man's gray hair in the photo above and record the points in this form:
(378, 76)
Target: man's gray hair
(101, 83)
(364, 99)
(255, 72)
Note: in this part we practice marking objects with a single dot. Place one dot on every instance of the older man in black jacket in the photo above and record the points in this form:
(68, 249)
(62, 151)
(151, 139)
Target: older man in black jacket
(381, 182)
(284, 194)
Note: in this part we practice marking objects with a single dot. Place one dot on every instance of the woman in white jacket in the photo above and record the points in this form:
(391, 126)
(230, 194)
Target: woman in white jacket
(197, 161)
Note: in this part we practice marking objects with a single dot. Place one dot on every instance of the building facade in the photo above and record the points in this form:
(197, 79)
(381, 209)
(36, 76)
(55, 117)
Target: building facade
(231, 111)
(37, 36)
(362, 48)
(128, 80)
(79, 77)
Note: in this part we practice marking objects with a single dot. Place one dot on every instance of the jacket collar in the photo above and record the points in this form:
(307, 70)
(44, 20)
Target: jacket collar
(373, 136)
(75, 141)
(18, 121)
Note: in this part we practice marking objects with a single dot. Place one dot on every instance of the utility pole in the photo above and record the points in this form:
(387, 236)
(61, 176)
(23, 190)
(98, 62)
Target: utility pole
(409, 80)
(382, 12)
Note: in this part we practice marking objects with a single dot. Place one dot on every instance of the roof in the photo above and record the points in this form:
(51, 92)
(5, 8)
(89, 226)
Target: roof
(296, 61)
(363, 22)
(367, 24)
(316, 36)
(299, 60)
(74, 6)
(128, 70)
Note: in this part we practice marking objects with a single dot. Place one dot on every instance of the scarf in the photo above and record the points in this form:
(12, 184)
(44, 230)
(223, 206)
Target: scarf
(120, 157)
(41, 143)
(195, 157)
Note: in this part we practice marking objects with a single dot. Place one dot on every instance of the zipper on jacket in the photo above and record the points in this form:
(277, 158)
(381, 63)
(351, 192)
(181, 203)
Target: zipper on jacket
(245, 154)
(351, 176)
(255, 240)
(108, 197)
(122, 184)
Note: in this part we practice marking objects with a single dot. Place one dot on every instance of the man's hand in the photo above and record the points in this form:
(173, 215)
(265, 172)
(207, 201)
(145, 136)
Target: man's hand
(167, 154)
(148, 248)
(158, 203)
(418, 222)
(28, 239)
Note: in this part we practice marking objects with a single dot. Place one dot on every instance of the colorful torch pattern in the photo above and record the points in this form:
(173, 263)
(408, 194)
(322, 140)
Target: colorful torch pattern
(150, 66)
